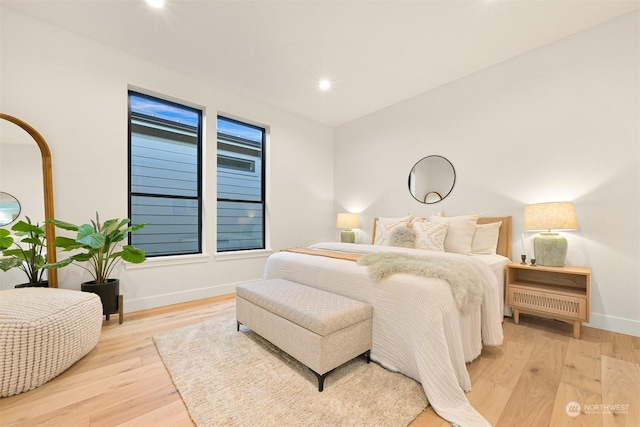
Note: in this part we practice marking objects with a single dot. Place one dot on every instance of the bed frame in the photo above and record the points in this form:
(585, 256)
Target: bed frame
(504, 236)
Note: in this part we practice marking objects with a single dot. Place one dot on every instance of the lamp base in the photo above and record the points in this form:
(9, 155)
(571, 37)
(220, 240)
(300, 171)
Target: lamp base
(550, 249)
(348, 236)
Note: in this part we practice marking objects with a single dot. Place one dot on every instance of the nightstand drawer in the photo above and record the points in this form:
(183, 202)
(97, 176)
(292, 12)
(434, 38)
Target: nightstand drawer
(548, 302)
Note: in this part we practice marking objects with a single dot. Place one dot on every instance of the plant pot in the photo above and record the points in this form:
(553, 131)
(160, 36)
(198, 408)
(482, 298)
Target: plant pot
(108, 293)
(43, 284)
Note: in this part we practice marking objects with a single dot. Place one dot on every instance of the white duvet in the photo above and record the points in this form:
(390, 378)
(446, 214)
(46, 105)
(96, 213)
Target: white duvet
(417, 328)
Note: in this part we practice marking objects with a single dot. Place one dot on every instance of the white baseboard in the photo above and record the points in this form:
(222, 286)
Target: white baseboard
(131, 305)
(607, 323)
(598, 321)
(614, 324)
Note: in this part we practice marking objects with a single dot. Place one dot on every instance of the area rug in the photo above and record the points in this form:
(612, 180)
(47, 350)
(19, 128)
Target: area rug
(229, 378)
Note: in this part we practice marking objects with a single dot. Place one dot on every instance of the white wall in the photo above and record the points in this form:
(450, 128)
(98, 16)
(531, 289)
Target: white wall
(560, 123)
(74, 91)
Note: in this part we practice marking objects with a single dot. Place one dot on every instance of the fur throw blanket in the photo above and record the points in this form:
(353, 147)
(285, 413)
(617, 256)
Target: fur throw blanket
(465, 285)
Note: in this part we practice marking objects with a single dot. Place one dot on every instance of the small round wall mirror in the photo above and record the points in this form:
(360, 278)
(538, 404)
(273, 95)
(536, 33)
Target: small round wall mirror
(9, 209)
(431, 179)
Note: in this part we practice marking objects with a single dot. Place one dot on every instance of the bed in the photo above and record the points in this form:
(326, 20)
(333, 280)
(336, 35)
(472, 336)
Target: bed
(419, 328)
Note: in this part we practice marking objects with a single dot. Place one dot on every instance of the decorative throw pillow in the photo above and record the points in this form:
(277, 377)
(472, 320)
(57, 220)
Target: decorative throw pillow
(460, 232)
(386, 225)
(485, 238)
(403, 237)
(430, 235)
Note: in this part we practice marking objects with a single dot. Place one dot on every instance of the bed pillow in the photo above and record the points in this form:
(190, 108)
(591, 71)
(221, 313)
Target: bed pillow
(418, 218)
(460, 232)
(485, 238)
(430, 235)
(402, 237)
(386, 225)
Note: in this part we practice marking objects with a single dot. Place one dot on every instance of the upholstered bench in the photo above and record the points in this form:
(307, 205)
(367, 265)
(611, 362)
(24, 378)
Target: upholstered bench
(43, 331)
(320, 329)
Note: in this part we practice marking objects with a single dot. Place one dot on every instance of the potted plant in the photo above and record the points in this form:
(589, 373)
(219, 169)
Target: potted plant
(98, 252)
(28, 253)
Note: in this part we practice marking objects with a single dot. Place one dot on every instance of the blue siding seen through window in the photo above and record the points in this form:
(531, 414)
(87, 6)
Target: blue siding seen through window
(240, 186)
(165, 184)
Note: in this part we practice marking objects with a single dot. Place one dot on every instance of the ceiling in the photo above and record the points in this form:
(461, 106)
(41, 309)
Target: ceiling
(376, 53)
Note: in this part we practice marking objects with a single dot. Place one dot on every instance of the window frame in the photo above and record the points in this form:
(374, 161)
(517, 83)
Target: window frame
(199, 159)
(263, 181)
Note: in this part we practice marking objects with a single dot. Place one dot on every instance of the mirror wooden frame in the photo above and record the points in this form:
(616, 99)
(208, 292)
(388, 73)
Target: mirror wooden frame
(47, 178)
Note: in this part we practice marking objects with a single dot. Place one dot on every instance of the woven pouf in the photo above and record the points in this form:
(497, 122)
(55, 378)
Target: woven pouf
(43, 331)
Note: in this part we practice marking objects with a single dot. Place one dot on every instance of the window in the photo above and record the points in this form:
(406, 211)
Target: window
(165, 175)
(241, 186)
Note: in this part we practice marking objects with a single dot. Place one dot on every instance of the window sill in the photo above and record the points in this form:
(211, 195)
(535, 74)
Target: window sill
(169, 260)
(197, 258)
(256, 253)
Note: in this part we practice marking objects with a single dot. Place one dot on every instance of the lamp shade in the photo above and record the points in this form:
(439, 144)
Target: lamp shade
(348, 220)
(550, 216)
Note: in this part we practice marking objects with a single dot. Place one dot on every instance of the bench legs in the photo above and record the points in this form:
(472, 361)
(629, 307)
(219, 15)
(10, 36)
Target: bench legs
(366, 355)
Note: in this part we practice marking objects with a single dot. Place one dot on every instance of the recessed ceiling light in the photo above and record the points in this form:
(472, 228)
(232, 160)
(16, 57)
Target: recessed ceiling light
(156, 3)
(324, 84)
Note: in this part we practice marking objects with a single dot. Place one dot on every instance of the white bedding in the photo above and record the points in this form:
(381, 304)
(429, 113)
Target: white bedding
(417, 327)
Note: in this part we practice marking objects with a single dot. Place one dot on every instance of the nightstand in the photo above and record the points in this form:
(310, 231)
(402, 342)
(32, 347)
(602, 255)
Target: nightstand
(561, 293)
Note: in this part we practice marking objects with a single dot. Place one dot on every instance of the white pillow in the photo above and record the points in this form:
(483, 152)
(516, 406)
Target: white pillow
(485, 239)
(460, 232)
(430, 235)
(384, 227)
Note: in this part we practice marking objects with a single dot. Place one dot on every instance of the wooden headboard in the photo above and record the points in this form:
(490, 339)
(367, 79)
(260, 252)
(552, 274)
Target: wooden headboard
(504, 236)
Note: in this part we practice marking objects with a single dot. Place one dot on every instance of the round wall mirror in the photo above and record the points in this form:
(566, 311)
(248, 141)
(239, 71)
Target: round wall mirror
(9, 209)
(431, 179)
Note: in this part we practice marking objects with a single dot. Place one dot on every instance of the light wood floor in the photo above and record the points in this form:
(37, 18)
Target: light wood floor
(527, 381)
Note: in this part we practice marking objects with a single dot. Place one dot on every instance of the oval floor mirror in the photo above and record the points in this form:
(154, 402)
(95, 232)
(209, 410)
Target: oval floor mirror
(47, 177)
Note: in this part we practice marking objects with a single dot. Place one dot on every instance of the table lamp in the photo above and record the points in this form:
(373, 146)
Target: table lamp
(347, 221)
(550, 248)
